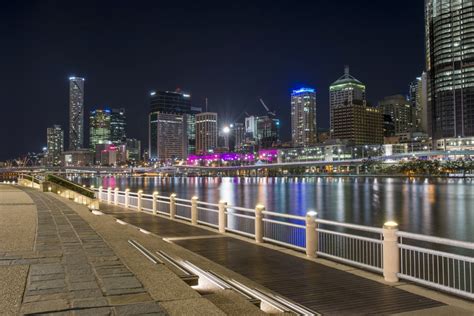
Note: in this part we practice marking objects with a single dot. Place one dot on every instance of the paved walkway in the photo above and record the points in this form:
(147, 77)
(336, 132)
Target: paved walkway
(71, 270)
(317, 286)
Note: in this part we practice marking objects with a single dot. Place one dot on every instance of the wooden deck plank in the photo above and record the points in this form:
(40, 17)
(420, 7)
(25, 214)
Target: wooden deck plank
(327, 290)
(319, 287)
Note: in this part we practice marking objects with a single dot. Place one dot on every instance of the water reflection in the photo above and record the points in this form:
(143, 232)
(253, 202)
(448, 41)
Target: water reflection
(441, 207)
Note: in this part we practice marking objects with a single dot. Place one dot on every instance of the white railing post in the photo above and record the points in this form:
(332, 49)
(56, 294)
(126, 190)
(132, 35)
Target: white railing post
(391, 252)
(172, 206)
(139, 200)
(116, 194)
(222, 216)
(311, 234)
(100, 193)
(109, 195)
(259, 223)
(194, 210)
(155, 202)
(127, 197)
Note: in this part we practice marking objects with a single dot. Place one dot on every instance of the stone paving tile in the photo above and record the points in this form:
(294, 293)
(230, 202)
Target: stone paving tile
(73, 271)
(139, 309)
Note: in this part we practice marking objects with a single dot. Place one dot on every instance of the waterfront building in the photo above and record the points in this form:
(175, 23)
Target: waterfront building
(357, 124)
(388, 126)
(449, 54)
(99, 127)
(324, 135)
(400, 110)
(55, 145)
(134, 149)
(345, 91)
(455, 144)
(118, 126)
(418, 99)
(206, 132)
(303, 117)
(76, 113)
(262, 131)
(238, 131)
(171, 125)
(78, 158)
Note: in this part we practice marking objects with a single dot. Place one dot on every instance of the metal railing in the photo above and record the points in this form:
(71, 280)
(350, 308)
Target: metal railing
(440, 269)
(388, 251)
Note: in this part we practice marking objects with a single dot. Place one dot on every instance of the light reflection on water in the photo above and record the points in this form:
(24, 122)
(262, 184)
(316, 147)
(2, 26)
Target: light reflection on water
(440, 207)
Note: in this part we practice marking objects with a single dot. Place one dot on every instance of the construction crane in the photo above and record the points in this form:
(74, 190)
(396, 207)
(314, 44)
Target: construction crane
(270, 113)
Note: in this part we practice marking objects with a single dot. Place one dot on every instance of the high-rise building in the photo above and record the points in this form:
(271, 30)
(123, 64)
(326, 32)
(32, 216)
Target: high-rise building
(206, 132)
(76, 113)
(346, 90)
(449, 63)
(134, 149)
(401, 111)
(99, 127)
(55, 145)
(264, 131)
(358, 124)
(303, 117)
(170, 125)
(419, 103)
(117, 126)
(268, 131)
(239, 135)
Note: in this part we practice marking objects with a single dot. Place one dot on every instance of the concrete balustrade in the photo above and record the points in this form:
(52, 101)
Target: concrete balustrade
(194, 210)
(172, 206)
(116, 195)
(109, 195)
(155, 203)
(391, 253)
(259, 223)
(222, 216)
(139, 200)
(127, 197)
(311, 234)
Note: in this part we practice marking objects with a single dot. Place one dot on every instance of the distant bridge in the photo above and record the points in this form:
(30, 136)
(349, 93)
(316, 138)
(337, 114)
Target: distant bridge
(302, 163)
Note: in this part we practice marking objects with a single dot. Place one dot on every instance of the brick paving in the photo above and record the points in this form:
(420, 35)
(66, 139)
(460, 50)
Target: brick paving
(72, 271)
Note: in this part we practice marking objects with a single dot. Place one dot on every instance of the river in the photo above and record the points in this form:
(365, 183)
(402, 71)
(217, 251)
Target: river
(434, 206)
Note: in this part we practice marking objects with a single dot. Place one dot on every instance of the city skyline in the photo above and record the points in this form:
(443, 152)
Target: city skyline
(274, 65)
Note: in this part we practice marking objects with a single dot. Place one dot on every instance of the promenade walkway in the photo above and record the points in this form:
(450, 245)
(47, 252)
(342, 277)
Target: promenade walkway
(58, 258)
(317, 286)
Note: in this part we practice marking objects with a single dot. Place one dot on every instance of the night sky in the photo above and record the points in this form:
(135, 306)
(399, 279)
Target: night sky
(231, 52)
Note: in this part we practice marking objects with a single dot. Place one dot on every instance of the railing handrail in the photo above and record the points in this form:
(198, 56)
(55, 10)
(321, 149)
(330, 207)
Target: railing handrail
(384, 250)
(437, 240)
(351, 226)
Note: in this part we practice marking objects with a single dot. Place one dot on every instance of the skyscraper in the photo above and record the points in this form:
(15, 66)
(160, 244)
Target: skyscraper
(206, 132)
(346, 90)
(99, 127)
(449, 55)
(55, 145)
(419, 103)
(118, 126)
(401, 111)
(303, 117)
(76, 113)
(134, 149)
(239, 135)
(170, 133)
(358, 124)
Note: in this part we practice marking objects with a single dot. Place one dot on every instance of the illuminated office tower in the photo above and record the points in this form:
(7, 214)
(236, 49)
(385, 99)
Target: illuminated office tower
(345, 91)
(206, 132)
(117, 126)
(99, 127)
(303, 117)
(419, 104)
(171, 125)
(401, 112)
(76, 113)
(55, 145)
(449, 37)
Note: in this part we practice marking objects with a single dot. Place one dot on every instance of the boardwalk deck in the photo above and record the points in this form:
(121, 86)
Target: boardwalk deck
(319, 287)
